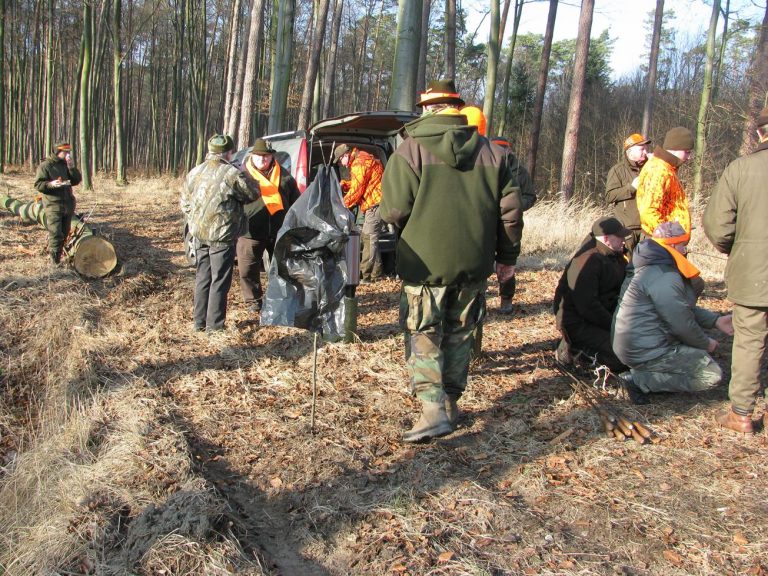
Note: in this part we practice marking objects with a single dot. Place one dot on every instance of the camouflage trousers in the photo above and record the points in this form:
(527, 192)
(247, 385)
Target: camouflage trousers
(439, 325)
(681, 369)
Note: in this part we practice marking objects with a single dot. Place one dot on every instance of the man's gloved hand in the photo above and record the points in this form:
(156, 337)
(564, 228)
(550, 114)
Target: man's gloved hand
(635, 182)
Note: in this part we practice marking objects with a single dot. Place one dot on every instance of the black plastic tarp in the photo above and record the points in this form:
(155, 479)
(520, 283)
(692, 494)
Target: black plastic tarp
(308, 271)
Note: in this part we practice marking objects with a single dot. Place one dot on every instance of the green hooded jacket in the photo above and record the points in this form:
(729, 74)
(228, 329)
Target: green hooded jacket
(456, 200)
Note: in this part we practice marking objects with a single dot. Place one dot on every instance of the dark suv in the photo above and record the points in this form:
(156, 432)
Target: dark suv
(302, 153)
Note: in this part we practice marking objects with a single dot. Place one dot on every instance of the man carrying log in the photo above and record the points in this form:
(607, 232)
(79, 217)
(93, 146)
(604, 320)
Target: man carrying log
(55, 177)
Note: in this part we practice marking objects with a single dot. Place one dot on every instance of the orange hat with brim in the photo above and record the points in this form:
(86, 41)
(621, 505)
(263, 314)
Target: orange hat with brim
(634, 140)
(62, 147)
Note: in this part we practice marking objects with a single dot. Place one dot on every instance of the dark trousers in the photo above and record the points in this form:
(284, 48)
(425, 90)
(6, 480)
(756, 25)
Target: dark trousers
(58, 218)
(371, 267)
(250, 254)
(212, 282)
(594, 341)
(507, 289)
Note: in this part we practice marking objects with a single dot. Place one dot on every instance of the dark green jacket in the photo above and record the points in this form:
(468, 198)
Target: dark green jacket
(620, 193)
(53, 168)
(454, 197)
(736, 222)
(261, 224)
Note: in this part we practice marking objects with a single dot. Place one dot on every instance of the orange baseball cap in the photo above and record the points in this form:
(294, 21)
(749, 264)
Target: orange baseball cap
(634, 140)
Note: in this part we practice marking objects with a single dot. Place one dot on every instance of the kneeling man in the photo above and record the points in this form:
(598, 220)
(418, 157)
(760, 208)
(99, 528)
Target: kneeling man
(658, 330)
(588, 291)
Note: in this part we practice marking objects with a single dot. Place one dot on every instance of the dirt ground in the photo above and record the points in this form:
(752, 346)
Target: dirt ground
(196, 455)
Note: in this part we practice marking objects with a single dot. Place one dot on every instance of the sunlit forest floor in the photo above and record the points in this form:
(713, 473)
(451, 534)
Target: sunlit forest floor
(130, 444)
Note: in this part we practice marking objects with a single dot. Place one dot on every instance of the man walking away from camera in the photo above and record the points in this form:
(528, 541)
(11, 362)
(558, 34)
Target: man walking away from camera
(55, 177)
(736, 222)
(621, 186)
(454, 197)
(212, 200)
(265, 217)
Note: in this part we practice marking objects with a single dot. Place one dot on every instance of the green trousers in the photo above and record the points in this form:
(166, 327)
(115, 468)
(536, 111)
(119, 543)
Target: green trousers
(439, 324)
(750, 326)
(681, 369)
(58, 215)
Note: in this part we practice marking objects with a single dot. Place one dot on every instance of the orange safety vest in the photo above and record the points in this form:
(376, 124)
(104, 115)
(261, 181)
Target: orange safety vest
(270, 187)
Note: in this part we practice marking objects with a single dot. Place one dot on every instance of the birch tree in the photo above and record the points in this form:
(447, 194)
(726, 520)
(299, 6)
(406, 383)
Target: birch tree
(282, 62)
(493, 65)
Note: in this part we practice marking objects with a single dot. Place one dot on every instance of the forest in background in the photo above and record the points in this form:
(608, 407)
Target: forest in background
(139, 85)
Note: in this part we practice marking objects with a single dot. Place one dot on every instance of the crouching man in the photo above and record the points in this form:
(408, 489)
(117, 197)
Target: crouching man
(588, 291)
(658, 330)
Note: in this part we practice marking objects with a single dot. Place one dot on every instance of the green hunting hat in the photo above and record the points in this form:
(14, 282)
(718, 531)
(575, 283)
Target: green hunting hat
(340, 150)
(440, 92)
(219, 144)
(261, 146)
(678, 138)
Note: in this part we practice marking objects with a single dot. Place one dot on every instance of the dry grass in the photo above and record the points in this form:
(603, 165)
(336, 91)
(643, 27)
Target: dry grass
(131, 445)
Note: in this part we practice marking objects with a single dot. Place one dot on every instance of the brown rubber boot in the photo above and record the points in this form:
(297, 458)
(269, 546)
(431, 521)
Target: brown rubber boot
(452, 409)
(729, 419)
(432, 424)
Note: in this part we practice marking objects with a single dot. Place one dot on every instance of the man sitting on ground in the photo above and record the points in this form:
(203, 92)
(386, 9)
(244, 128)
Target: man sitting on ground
(588, 291)
(658, 330)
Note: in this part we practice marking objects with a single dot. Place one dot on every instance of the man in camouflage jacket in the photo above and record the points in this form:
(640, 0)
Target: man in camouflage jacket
(212, 200)
(54, 179)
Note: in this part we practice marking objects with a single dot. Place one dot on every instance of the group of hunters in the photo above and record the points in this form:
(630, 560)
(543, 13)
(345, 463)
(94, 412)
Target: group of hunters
(626, 299)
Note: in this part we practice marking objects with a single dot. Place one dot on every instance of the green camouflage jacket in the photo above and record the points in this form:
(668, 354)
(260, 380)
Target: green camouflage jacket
(212, 200)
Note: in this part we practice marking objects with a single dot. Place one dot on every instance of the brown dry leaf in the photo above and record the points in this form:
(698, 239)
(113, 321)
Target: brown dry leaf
(276, 482)
(665, 487)
(399, 568)
(566, 565)
(480, 456)
(740, 539)
(639, 475)
(446, 557)
(673, 557)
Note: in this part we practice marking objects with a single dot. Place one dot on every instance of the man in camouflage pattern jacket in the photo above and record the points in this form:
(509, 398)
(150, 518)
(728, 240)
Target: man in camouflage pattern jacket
(212, 200)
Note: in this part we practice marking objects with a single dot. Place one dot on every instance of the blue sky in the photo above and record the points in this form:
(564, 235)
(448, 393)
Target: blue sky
(625, 20)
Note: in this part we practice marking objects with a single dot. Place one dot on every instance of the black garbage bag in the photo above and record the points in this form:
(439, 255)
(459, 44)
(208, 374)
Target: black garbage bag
(308, 271)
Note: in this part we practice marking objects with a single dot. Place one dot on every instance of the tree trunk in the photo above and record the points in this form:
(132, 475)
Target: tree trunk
(86, 95)
(516, 13)
(281, 69)
(232, 52)
(403, 92)
(330, 67)
(650, 88)
(251, 77)
(421, 73)
(316, 45)
(450, 38)
(758, 87)
(541, 88)
(706, 94)
(493, 65)
(118, 93)
(2, 84)
(49, 71)
(237, 97)
(570, 145)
